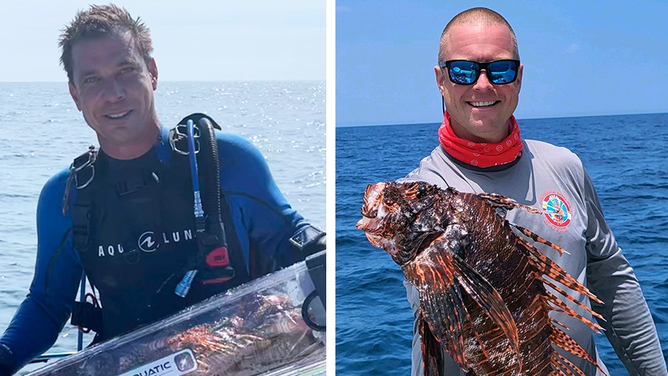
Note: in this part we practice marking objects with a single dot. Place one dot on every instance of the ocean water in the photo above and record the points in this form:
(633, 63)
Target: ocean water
(626, 159)
(41, 131)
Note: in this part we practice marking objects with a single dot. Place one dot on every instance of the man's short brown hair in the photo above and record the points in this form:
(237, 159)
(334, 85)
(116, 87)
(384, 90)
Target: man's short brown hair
(103, 21)
(479, 15)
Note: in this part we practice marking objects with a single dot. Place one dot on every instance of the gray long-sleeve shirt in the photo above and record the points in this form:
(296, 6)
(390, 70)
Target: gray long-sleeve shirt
(553, 179)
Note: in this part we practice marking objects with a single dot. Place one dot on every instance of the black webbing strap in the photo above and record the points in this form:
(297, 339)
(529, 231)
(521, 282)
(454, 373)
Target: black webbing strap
(136, 183)
(81, 217)
(81, 226)
(88, 316)
(317, 269)
(82, 172)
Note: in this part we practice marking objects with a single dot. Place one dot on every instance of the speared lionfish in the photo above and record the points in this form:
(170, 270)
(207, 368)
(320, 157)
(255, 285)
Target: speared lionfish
(482, 287)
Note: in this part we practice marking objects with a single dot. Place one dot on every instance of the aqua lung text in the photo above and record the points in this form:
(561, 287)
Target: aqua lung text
(148, 242)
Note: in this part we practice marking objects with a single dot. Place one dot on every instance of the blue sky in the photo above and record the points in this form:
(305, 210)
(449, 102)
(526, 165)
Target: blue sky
(580, 58)
(198, 40)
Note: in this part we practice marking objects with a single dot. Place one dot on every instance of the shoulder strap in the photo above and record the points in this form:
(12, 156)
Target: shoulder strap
(82, 172)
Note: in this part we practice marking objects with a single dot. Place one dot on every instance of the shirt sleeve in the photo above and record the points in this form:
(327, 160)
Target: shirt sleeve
(628, 326)
(266, 219)
(42, 315)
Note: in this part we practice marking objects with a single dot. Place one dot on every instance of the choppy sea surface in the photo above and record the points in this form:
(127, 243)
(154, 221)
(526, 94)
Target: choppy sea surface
(626, 159)
(41, 131)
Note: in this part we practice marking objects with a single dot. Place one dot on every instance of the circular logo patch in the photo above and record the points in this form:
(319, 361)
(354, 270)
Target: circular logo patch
(147, 243)
(556, 209)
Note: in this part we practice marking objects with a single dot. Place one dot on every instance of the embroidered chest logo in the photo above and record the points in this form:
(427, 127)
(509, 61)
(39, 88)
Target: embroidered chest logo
(557, 210)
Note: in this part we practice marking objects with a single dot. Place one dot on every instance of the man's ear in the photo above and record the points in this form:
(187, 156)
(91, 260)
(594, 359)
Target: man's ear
(153, 72)
(439, 79)
(518, 81)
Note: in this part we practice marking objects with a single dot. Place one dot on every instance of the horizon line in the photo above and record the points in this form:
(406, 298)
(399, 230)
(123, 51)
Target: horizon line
(519, 119)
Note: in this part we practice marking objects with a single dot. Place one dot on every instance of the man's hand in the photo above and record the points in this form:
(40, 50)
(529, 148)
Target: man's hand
(309, 240)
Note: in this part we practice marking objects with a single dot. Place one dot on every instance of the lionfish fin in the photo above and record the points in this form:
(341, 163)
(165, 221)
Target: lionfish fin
(486, 296)
(557, 322)
(539, 239)
(444, 312)
(440, 275)
(554, 271)
(562, 340)
(498, 201)
(440, 300)
(568, 310)
(432, 354)
(563, 366)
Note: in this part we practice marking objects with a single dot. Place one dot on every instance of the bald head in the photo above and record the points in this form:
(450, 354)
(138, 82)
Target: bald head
(476, 16)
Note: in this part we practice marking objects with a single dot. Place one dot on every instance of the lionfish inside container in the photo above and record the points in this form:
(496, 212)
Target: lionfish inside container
(483, 296)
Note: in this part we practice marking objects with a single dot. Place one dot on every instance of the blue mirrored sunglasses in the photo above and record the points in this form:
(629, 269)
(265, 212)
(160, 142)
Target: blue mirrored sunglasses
(464, 72)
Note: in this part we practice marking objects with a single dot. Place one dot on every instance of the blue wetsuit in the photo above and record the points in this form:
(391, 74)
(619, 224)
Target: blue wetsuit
(262, 219)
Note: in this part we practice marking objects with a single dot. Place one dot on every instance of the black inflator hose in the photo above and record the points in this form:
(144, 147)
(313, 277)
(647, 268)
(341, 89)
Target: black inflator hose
(210, 166)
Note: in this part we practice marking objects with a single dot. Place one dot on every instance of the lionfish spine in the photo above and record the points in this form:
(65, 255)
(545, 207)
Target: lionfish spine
(554, 271)
(563, 364)
(556, 301)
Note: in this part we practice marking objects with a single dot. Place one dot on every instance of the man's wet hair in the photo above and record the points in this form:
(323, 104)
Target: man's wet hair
(478, 15)
(103, 21)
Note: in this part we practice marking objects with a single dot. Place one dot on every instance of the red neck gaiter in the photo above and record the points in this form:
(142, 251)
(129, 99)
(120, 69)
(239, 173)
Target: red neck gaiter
(481, 154)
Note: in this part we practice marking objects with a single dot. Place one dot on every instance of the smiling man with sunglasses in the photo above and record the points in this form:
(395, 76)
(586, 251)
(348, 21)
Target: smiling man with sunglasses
(479, 75)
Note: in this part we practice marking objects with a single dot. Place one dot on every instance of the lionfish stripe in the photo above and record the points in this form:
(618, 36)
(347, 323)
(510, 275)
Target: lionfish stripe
(483, 349)
(539, 239)
(554, 271)
(433, 314)
(557, 322)
(489, 300)
(432, 357)
(440, 298)
(497, 200)
(568, 311)
(542, 364)
(544, 368)
(561, 339)
(562, 292)
(459, 312)
(454, 320)
(442, 310)
(564, 364)
(508, 371)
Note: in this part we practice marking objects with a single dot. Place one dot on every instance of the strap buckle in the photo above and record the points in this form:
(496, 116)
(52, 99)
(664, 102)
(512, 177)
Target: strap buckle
(83, 165)
(178, 139)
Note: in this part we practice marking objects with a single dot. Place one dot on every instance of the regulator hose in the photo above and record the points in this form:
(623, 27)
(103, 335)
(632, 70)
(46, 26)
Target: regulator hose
(213, 243)
(210, 165)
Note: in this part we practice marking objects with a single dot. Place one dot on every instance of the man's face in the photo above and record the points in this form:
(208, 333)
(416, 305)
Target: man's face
(113, 88)
(479, 112)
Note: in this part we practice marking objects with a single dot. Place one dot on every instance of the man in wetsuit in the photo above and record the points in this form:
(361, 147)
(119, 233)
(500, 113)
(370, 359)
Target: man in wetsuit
(479, 76)
(128, 220)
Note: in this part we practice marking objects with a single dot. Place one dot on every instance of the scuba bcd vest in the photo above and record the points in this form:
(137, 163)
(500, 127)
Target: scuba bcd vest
(135, 231)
